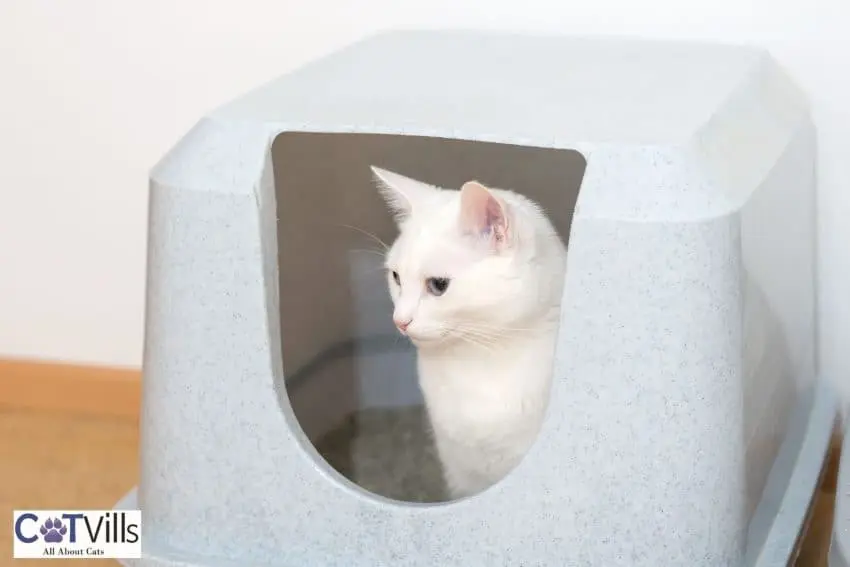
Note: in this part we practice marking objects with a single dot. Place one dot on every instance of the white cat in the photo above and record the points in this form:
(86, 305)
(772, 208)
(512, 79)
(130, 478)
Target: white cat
(476, 277)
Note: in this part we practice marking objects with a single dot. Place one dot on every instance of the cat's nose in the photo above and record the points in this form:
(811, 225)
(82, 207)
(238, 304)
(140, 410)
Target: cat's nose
(402, 324)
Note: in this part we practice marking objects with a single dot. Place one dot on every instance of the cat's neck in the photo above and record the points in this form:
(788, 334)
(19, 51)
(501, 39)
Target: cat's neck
(517, 366)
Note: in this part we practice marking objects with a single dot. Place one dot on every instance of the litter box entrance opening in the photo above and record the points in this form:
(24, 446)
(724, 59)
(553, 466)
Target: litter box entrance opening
(350, 376)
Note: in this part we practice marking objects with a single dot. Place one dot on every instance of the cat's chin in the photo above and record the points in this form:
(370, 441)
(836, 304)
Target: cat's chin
(426, 340)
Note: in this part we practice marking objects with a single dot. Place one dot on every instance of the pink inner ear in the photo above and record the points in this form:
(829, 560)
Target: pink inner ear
(481, 212)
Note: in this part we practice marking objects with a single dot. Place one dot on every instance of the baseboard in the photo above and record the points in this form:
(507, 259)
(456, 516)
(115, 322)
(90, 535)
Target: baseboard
(70, 388)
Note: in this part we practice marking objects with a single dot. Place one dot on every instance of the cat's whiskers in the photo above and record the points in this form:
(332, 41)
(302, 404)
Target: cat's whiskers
(463, 330)
(374, 237)
(476, 342)
(493, 334)
(379, 253)
(482, 339)
(484, 327)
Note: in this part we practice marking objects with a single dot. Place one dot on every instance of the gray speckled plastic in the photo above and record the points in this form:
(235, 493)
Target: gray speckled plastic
(687, 332)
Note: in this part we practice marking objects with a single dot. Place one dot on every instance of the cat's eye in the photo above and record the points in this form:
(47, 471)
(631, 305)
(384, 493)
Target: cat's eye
(437, 286)
(396, 279)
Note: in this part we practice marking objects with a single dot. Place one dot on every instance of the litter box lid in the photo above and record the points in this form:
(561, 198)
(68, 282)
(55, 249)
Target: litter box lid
(537, 88)
(672, 130)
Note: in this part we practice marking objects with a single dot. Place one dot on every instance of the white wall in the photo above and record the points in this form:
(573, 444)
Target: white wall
(93, 92)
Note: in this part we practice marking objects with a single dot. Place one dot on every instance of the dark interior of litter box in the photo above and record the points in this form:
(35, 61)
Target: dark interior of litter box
(351, 379)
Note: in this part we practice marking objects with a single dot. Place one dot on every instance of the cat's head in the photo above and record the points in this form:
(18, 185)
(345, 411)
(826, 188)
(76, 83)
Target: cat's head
(474, 264)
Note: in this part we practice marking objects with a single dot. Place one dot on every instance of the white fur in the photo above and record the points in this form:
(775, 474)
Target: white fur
(484, 347)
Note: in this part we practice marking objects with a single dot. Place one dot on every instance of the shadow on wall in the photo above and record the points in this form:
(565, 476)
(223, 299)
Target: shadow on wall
(350, 378)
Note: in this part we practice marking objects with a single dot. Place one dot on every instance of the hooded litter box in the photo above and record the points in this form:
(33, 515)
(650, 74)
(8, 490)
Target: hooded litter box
(281, 420)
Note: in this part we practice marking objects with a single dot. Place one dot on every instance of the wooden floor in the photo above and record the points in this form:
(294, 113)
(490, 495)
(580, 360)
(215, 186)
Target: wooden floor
(55, 461)
(815, 545)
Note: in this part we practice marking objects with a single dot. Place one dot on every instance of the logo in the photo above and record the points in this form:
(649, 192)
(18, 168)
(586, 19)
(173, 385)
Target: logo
(77, 534)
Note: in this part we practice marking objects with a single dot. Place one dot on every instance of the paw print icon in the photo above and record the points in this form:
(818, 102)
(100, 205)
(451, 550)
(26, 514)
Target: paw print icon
(53, 530)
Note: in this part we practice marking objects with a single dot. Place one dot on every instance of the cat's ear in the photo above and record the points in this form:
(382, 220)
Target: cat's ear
(483, 214)
(402, 194)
